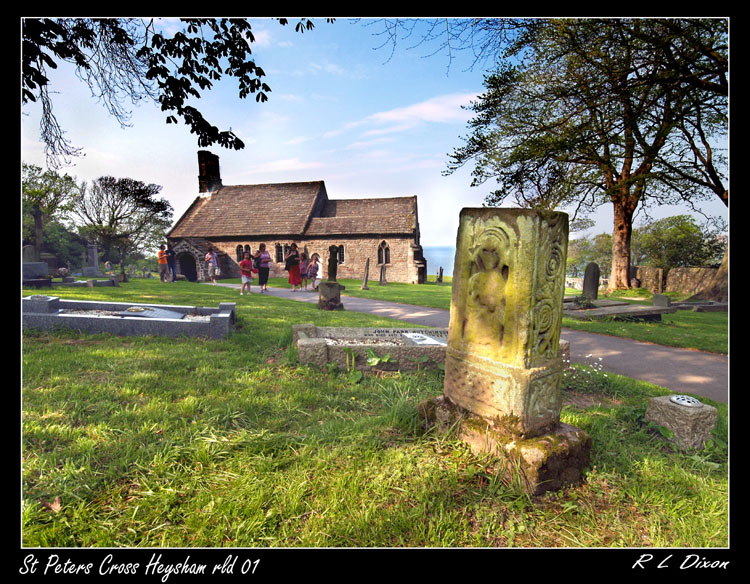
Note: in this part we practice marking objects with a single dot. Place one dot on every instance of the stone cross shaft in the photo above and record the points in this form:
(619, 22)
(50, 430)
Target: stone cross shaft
(502, 360)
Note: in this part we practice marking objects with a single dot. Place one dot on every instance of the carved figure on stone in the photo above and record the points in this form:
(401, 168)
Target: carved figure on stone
(484, 320)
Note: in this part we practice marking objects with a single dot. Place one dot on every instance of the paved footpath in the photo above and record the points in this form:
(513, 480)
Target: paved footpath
(681, 370)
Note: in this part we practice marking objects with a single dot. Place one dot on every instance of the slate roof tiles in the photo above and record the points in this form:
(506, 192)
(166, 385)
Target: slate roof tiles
(293, 209)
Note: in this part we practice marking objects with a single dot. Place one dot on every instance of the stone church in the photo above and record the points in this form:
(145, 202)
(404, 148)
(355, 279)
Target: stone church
(235, 219)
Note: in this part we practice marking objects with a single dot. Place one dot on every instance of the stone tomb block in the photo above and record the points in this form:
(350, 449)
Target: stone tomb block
(503, 370)
(409, 348)
(690, 420)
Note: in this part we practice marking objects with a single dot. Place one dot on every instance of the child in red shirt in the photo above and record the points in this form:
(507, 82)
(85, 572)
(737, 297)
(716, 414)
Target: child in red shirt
(246, 269)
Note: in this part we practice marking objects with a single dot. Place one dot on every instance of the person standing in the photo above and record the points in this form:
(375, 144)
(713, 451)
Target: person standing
(292, 264)
(171, 263)
(263, 265)
(213, 265)
(312, 270)
(163, 267)
(246, 273)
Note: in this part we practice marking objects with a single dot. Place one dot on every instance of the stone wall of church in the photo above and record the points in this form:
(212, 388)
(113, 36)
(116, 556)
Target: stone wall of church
(402, 266)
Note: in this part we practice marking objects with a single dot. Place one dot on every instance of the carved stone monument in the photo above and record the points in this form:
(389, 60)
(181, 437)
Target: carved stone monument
(591, 281)
(329, 292)
(503, 371)
(333, 262)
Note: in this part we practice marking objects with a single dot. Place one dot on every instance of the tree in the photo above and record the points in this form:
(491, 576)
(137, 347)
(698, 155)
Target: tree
(122, 215)
(587, 249)
(45, 194)
(678, 242)
(589, 112)
(130, 59)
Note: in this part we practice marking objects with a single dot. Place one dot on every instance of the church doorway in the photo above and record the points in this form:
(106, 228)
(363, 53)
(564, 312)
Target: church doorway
(186, 266)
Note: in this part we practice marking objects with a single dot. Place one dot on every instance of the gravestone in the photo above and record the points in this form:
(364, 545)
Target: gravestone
(367, 275)
(382, 281)
(29, 254)
(503, 371)
(662, 300)
(91, 269)
(591, 281)
(440, 275)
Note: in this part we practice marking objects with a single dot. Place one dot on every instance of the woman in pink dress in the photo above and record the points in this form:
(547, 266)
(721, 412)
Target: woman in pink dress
(292, 261)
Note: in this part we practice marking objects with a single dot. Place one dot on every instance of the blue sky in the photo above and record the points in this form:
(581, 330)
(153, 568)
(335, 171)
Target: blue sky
(368, 122)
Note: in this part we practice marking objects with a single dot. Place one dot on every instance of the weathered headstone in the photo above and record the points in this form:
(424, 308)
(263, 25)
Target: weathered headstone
(382, 281)
(367, 275)
(29, 254)
(440, 274)
(92, 261)
(591, 281)
(503, 371)
(662, 300)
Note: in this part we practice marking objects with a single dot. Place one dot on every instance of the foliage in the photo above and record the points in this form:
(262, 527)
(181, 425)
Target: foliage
(45, 196)
(588, 112)
(129, 59)
(123, 215)
(677, 242)
(587, 249)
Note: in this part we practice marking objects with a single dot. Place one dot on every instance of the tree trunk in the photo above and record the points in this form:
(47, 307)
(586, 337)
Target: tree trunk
(620, 277)
(38, 233)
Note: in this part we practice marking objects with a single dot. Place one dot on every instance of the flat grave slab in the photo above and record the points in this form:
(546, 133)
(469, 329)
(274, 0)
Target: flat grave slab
(149, 312)
(127, 319)
(631, 311)
(408, 349)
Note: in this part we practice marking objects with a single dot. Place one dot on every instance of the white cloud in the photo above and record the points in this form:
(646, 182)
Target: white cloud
(442, 109)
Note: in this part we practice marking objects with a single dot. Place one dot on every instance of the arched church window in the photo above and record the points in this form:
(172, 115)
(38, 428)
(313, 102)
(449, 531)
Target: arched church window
(239, 253)
(384, 253)
(279, 253)
(247, 249)
(341, 254)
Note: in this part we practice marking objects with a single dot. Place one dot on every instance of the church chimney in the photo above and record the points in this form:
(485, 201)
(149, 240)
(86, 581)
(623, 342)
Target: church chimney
(209, 178)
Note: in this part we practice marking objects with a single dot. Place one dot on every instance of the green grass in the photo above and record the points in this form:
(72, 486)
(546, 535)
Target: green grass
(705, 331)
(152, 442)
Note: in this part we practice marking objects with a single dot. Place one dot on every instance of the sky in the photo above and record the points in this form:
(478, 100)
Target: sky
(344, 109)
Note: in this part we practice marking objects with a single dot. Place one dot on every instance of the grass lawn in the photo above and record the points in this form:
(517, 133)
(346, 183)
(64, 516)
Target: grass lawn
(156, 442)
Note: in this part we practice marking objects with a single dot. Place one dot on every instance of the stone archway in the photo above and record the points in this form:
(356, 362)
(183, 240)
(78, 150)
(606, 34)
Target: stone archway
(186, 266)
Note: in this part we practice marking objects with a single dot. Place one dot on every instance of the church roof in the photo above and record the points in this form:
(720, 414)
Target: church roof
(294, 210)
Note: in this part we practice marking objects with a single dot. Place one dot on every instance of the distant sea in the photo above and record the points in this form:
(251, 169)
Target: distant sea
(437, 256)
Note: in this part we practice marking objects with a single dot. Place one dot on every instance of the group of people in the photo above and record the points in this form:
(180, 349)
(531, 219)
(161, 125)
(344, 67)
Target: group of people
(302, 270)
(167, 264)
